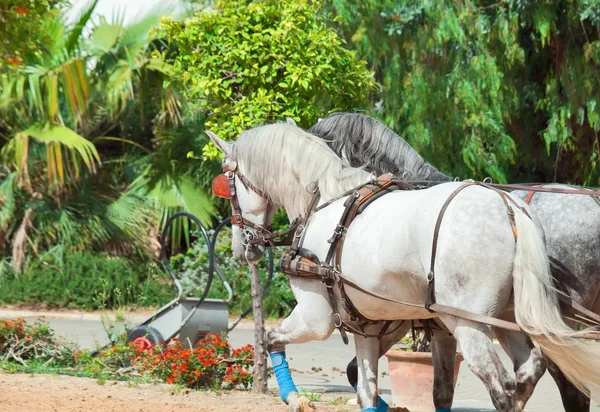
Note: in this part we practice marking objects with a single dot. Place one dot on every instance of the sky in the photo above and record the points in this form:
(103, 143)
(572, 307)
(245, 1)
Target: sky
(130, 8)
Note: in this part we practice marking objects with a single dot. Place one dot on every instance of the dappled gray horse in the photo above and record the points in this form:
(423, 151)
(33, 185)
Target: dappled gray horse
(384, 263)
(571, 224)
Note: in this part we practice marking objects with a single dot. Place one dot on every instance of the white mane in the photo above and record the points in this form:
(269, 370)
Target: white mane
(276, 153)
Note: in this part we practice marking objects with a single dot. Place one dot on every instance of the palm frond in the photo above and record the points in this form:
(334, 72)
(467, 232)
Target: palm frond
(82, 20)
(104, 37)
(184, 194)
(56, 138)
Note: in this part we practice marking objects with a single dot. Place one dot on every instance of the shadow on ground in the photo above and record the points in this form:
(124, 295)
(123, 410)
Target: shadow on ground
(472, 410)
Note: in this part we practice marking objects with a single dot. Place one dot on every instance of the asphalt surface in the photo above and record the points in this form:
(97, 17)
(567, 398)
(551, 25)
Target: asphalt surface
(319, 366)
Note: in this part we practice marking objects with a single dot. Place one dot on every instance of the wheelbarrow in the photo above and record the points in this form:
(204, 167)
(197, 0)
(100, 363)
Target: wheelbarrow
(191, 318)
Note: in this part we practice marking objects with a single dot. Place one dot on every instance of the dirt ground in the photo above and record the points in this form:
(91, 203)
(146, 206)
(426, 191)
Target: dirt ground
(49, 393)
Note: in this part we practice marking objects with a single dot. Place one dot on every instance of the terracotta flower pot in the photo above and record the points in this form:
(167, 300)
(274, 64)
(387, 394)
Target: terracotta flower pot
(411, 377)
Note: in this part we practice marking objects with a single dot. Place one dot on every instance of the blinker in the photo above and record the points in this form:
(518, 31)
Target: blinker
(220, 187)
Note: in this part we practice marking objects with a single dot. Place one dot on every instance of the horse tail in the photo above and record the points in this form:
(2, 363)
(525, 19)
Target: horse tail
(537, 311)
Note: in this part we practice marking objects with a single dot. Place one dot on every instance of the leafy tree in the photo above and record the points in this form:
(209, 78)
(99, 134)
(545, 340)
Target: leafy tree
(20, 37)
(480, 86)
(248, 62)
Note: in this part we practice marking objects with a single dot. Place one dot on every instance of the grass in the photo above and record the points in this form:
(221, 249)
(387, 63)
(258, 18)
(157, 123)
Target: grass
(311, 396)
(340, 401)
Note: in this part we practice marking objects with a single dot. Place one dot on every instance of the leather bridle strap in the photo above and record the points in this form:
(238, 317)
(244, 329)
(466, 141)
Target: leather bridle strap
(266, 236)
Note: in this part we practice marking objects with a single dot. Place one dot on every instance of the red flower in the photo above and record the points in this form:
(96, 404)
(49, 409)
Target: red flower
(21, 10)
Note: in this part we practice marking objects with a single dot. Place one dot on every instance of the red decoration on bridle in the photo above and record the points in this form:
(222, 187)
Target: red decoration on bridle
(220, 187)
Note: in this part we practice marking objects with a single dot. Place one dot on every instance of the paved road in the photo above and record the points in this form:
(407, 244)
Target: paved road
(332, 356)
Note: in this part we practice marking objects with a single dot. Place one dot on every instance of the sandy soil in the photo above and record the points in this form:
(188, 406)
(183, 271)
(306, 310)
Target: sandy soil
(48, 393)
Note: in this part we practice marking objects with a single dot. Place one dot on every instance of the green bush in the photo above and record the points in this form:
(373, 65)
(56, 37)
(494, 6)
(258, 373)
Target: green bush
(248, 62)
(88, 281)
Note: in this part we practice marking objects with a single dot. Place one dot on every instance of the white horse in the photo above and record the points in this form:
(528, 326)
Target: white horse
(386, 253)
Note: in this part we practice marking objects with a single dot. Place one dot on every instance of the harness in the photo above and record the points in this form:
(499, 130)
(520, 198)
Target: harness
(301, 262)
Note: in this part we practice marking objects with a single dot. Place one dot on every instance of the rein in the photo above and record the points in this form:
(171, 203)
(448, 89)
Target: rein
(530, 187)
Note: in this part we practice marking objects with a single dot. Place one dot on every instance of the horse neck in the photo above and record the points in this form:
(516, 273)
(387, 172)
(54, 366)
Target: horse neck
(398, 157)
(430, 173)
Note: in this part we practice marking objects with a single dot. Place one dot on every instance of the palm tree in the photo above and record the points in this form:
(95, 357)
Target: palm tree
(88, 102)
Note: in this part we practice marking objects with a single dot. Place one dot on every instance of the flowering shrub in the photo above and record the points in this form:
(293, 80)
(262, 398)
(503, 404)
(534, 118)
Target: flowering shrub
(211, 364)
(23, 342)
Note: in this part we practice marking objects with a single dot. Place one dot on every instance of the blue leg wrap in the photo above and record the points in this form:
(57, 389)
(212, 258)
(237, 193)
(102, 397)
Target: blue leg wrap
(382, 405)
(371, 409)
(282, 373)
(443, 410)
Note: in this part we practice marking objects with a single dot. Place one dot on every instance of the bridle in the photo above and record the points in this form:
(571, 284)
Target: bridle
(224, 186)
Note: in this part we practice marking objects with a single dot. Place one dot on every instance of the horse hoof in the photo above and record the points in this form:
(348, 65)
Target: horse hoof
(300, 404)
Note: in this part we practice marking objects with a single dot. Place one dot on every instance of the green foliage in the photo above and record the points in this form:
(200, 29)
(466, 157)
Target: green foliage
(480, 86)
(252, 62)
(415, 341)
(86, 281)
(211, 364)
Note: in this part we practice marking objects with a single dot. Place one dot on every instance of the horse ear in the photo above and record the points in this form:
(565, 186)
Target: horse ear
(221, 144)
(291, 121)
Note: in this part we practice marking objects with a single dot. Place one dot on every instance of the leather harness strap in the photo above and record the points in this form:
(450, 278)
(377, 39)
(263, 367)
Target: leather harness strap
(534, 188)
(529, 197)
(430, 297)
(310, 269)
(529, 187)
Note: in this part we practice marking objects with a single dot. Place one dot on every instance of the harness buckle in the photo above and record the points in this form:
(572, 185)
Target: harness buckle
(339, 231)
(337, 320)
(328, 282)
(331, 277)
(430, 277)
(299, 231)
(510, 211)
(237, 219)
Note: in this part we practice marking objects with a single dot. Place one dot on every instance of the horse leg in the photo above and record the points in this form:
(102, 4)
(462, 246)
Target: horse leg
(398, 330)
(476, 344)
(573, 399)
(300, 326)
(443, 351)
(528, 362)
(367, 354)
